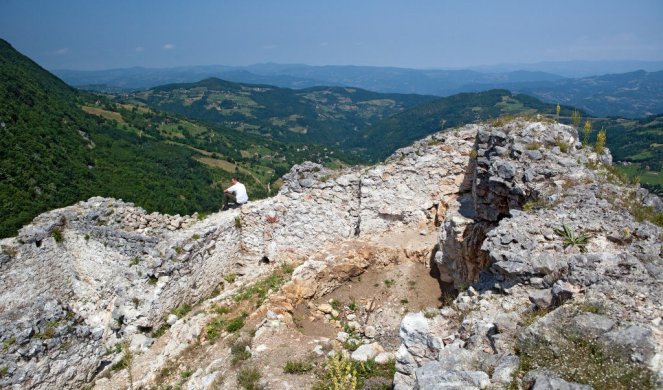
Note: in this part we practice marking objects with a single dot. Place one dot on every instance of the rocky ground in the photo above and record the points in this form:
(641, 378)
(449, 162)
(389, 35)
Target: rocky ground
(492, 256)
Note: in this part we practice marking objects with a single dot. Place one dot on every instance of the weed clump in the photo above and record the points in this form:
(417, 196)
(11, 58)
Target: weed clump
(341, 374)
(239, 350)
(583, 360)
(297, 367)
(134, 261)
(181, 311)
(230, 278)
(57, 235)
(236, 323)
(570, 238)
(125, 361)
(248, 378)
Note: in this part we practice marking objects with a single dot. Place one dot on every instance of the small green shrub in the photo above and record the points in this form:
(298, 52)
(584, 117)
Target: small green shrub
(535, 204)
(124, 362)
(287, 268)
(160, 330)
(533, 146)
(341, 373)
(586, 131)
(238, 350)
(575, 118)
(592, 307)
(195, 237)
(57, 235)
(152, 280)
(248, 378)
(389, 282)
(181, 311)
(134, 261)
(236, 323)
(214, 329)
(230, 278)
(563, 145)
(238, 223)
(221, 310)
(336, 305)
(6, 344)
(351, 345)
(4, 370)
(186, 374)
(261, 288)
(297, 367)
(529, 317)
(599, 147)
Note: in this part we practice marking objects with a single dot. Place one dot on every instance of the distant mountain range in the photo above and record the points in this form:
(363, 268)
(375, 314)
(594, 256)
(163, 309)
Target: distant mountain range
(379, 79)
(577, 69)
(633, 94)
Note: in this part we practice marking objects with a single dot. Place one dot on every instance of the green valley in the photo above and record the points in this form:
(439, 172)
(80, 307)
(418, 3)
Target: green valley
(324, 115)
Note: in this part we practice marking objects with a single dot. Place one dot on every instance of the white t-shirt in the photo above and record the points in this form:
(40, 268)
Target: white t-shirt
(240, 192)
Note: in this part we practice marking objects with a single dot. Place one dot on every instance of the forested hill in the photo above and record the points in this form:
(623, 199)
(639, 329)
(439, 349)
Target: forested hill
(53, 154)
(59, 146)
(379, 140)
(318, 115)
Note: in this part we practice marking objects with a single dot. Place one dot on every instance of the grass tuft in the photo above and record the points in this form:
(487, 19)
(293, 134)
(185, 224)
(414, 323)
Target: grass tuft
(297, 367)
(248, 378)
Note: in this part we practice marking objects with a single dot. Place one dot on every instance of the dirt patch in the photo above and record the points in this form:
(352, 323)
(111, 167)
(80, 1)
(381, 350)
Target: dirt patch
(379, 297)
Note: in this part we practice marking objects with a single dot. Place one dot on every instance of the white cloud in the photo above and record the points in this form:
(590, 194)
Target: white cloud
(62, 51)
(168, 46)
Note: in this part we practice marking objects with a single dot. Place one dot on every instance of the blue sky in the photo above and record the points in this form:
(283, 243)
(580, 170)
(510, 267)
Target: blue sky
(84, 34)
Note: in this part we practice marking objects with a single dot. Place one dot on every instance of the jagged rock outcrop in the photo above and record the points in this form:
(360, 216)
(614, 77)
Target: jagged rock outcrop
(565, 283)
(80, 281)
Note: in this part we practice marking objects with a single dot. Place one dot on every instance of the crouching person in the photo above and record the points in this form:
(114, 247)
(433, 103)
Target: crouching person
(235, 194)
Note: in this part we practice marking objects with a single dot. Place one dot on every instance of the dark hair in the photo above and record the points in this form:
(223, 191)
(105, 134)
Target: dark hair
(234, 178)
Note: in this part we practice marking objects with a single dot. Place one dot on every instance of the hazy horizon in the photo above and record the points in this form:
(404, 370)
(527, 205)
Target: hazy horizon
(83, 35)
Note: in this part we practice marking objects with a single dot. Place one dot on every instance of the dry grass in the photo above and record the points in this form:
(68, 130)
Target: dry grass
(110, 115)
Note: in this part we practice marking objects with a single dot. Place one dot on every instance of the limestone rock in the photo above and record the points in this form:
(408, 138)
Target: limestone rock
(433, 376)
(366, 351)
(542, 380)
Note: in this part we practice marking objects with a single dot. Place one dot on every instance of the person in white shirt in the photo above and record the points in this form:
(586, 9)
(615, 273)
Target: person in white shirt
(236, 194)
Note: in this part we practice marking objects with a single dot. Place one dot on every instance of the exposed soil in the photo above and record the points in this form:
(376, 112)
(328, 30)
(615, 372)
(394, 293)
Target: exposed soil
(392, 278)
(382, 295)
